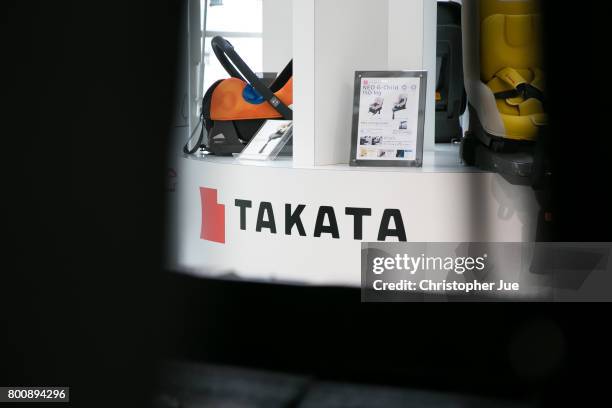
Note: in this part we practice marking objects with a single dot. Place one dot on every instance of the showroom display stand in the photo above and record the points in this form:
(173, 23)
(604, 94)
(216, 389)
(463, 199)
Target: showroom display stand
(444, 201)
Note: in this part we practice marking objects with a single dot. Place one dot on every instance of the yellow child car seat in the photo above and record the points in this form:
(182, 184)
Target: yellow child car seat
(504, 81)
(504, 74)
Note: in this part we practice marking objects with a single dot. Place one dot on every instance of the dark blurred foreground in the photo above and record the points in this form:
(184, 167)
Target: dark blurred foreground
(84, 299)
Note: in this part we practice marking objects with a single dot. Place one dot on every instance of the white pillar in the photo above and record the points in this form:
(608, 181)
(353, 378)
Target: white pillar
(277, 34)
(303, 83)
(332, 40)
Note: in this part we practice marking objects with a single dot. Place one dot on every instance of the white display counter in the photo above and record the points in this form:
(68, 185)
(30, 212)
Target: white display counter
(442, 202)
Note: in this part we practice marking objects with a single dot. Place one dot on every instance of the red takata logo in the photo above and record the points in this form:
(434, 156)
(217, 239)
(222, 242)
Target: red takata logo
(390, 222)
(213, 216)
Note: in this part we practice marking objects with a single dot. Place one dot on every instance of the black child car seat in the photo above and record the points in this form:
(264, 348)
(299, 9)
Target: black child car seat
(450, 92)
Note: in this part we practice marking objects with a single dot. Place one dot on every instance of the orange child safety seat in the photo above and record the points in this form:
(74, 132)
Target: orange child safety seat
(234, 109)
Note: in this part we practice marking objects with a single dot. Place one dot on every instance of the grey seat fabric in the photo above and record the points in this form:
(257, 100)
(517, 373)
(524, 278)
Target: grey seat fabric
(185, 385)
(328, 395)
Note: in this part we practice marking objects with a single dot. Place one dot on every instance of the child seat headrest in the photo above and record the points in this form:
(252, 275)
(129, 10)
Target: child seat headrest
(508, 7)
(509, 41)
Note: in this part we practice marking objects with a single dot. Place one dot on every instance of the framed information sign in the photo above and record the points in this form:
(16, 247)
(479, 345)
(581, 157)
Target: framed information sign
(388, 118)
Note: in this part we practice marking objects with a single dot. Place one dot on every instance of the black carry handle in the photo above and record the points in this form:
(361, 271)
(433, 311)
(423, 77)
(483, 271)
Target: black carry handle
(237, 68)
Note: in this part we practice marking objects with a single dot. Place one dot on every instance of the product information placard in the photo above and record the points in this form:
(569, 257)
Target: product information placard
(269, 140)
(388, 118)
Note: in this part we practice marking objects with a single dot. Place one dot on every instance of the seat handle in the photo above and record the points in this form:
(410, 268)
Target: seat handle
(237, 68)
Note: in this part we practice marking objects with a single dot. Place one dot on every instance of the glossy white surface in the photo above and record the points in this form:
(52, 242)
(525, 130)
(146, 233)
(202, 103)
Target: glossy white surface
(444, 159)
(442, 202)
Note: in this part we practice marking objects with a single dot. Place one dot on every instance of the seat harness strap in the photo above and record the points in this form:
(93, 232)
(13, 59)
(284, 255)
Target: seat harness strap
(522, 88)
